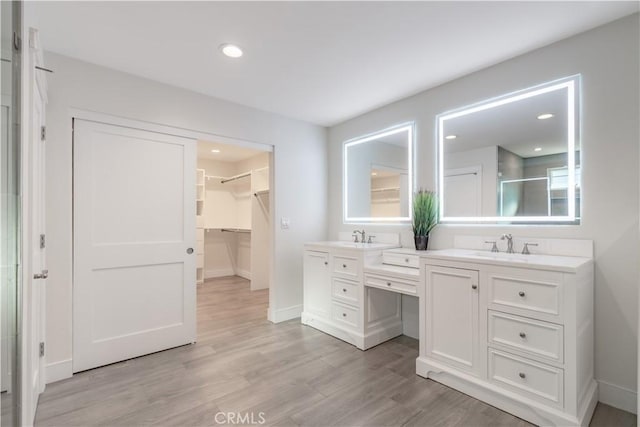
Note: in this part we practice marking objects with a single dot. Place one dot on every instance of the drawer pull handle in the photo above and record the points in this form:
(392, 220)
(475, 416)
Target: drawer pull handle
(344, 290)
(344, 265)
(522, 375)
(388, 283)
(474, 286)
(344, 314)
(523, 335)
(521, 293)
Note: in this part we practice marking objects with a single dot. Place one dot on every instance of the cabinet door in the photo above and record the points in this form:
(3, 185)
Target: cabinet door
(317, 283)
(452, 322)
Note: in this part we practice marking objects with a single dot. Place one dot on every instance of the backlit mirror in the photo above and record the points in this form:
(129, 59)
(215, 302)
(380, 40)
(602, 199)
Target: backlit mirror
(378, 176)
(515, 158)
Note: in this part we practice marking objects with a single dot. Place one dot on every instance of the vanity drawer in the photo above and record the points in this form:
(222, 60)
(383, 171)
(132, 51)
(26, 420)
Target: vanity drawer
(345, 314)
(346, 266)
(346, 291)
(527, 335)
(535, 380)
(392, 284)
(531, 291)
(403, 260)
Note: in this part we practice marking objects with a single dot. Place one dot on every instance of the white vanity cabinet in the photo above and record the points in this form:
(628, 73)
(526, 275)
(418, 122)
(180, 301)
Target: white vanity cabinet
(336, 300)
(516, 332)
(317, 279)
(452, 317)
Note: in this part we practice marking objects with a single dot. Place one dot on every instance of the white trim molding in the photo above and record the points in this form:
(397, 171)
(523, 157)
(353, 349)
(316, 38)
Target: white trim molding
(58, 371)
(618, 397)
(284, 314)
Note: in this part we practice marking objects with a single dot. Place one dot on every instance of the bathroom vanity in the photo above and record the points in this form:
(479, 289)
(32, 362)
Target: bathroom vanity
(336, 300)
(513, 330)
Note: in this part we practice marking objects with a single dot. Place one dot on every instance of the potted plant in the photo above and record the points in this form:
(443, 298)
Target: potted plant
(425, 217)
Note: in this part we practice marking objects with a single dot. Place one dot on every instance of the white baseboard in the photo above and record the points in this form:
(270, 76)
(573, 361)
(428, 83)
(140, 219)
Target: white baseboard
(57, 371)
(219, 272)
(243, 273)
(284, 314)
(618, 397)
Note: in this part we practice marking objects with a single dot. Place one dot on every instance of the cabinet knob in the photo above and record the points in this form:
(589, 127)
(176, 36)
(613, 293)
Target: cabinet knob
(522, 375)
(523, 335)
(388, 283)
(344, 290)
(474, 286)
(406, 260)
(521, 293)
(344, 265)
(344, 314)
(326, 263)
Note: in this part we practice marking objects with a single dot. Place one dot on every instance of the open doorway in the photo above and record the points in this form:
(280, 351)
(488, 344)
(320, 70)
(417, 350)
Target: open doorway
(233, 224)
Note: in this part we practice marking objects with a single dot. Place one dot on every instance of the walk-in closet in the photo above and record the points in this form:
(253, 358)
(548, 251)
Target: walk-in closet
(233, 216)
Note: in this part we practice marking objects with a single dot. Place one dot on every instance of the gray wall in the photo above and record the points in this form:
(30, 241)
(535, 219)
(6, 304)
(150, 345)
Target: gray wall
(607, 58)
(299, 164)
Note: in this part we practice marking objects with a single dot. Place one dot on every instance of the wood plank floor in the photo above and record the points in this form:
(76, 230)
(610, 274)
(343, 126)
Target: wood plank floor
(288, 373)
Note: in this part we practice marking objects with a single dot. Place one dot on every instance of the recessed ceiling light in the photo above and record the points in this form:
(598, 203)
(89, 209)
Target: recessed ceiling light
(545, 116)
(231, 50)
(451, 137)
(374, 173)
(537, 149)
(215, 151)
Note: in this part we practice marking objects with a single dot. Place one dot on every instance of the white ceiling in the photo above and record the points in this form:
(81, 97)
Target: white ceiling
(322, 62)
(227, 152)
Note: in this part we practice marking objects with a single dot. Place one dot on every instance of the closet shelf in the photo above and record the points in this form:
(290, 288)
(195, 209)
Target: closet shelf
(380, 190)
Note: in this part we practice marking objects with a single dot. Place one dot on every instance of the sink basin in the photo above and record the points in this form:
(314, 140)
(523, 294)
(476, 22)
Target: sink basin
(503, 256)
(340, 244)
(358, 245)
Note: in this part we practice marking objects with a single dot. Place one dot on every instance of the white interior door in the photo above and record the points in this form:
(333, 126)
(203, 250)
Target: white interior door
(134, 240)
(36, 286)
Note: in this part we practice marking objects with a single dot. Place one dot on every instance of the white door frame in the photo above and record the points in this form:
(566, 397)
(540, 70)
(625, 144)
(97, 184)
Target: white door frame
(75, 113)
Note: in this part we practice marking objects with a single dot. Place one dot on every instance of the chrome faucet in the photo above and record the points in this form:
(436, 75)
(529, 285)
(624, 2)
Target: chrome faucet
(509, 239)
(362, 235)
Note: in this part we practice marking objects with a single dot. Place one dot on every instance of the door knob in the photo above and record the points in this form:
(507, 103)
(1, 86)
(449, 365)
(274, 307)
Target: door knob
(190, 251)
(43, 275)
(474, 286)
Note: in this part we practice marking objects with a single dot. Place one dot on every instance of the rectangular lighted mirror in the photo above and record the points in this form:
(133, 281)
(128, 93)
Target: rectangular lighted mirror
(378, 176)
(513, 159)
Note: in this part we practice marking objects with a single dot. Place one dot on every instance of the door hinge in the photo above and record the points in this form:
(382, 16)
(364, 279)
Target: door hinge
(41, 349)
(42, 241)
(43, 133)
(16, 41)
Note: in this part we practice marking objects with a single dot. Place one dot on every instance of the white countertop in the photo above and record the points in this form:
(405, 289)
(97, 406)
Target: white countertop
(537, 261)
(342, 245)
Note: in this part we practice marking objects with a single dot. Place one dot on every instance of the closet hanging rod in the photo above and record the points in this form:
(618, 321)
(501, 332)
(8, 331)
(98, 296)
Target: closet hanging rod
(260, 193)
(234, 230)
(233, 178)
